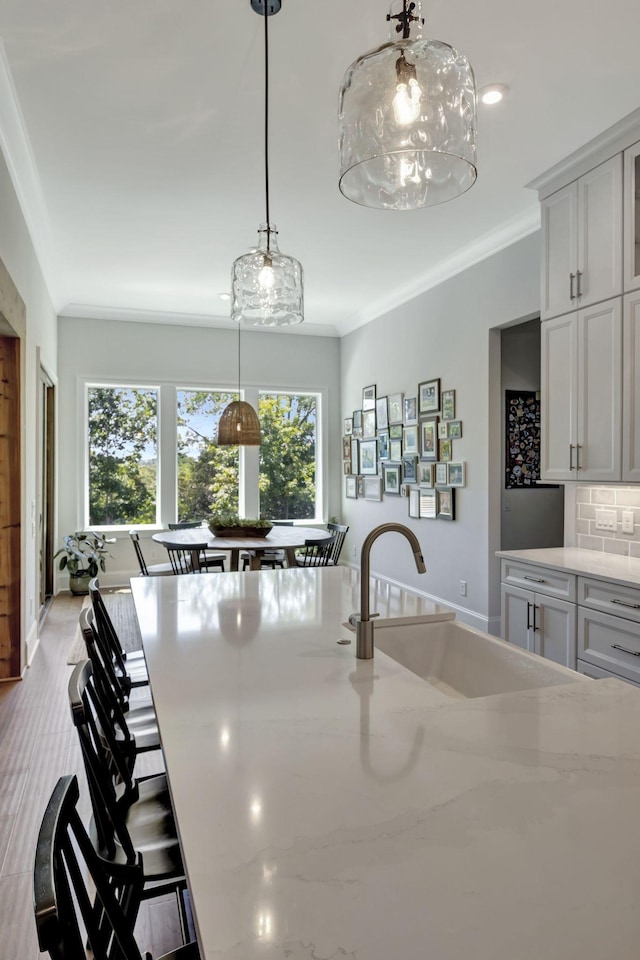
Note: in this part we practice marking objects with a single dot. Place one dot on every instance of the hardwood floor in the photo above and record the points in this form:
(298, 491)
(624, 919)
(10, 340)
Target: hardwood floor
(37, 745)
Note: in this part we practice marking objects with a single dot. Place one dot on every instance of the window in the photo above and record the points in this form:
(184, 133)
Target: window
(288, 456)
(123, 455)
(207, 473)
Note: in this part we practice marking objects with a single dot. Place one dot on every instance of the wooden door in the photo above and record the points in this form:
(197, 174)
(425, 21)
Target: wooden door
(10, 534)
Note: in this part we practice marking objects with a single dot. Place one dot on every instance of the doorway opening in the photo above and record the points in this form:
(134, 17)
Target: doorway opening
(45, 492)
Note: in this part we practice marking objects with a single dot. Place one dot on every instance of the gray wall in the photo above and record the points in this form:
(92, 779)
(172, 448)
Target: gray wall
(531, 518)
(446, 333)
(143, 353)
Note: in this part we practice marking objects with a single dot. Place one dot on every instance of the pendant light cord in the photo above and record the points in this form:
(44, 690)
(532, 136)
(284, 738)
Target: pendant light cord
(266, 120)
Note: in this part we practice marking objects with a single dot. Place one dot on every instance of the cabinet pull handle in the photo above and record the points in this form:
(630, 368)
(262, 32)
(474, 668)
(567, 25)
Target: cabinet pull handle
(535, 628)
(634, 653)
(570, 456)
(578, 449)
(623, 603)
(572, 295)
(579, 285)
(535, 579)
(528, 615)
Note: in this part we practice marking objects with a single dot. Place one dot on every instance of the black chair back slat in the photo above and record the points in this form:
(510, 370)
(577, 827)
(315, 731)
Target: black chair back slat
(135, 539)
(187, 558)
(107, 632)
(340, 531)
(317, 553)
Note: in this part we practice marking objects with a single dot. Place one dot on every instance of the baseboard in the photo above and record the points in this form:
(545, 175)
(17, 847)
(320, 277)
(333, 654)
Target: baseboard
(32, 643)
(470, 617)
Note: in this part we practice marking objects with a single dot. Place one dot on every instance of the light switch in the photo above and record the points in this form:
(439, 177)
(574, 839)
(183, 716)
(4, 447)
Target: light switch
(606, 520)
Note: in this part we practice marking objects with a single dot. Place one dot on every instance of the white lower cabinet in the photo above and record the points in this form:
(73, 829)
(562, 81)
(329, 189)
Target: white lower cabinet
(541, 624)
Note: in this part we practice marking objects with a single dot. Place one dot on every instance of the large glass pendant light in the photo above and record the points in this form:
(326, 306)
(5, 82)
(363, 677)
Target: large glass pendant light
(407, 120)
(266, 284)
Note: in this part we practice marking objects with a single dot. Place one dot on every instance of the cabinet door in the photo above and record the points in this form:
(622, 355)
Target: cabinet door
(600, 233)
(631, 388)
(600, 391)
(559, 252)
(632, 217)
(517, 616)
(559, 398)
(555, 634)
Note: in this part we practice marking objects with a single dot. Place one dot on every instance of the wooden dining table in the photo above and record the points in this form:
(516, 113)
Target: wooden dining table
(279, 538)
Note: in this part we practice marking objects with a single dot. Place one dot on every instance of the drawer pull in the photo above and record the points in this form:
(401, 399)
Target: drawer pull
(535, 579)
(634, 653)
(623, 603)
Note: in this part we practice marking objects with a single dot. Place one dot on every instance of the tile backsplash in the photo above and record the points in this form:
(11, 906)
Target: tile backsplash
(592, 498)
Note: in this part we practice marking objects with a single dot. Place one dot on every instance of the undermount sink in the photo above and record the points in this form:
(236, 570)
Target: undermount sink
(462, 662)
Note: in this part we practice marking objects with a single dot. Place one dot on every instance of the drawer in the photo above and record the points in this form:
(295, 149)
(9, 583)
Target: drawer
(597, 673)
(609, 642)
(553, 583)
(613, 598)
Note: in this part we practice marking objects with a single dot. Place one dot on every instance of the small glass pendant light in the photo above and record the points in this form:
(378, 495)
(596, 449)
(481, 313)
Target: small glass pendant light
(267, 285)
(407, 120)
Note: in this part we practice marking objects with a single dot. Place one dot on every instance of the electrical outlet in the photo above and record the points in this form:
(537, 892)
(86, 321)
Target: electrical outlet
(627, 521)
(463, 588)
(605, 520)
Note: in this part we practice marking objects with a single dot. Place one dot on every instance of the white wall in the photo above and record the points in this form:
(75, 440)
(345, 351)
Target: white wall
(160, 353)
(445, 333)
(19, 258)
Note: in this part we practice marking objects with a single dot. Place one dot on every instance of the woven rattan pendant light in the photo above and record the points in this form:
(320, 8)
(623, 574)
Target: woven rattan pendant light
(239, 424)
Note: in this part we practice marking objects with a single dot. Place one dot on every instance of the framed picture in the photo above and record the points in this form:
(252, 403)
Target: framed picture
(404, 489)
(456, 474)
(396, 408)
(395, 431)
(350, 487)
(383, 445)
(410, 411)
(428, 504)
(346, 466)
(395, 449)
(348, 426)
(346, 447)
(445, 504)
(373, 488)
(410, 440)
(355, 456)
(368, 424)
(448, 404)
(382, 413)
(356, 429)
(369, 397)
(391, 478)
(441, 474)
(442, 430)
(446, 450)
(360, 486)
(368, 456)
(410, 469)
(414, 503)
(429, 396)
(454, 429)
(429, 438)
(426, 472)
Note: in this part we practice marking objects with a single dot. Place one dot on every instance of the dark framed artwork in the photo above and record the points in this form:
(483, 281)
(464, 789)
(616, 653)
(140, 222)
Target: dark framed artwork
(522, 436)
(369, 397)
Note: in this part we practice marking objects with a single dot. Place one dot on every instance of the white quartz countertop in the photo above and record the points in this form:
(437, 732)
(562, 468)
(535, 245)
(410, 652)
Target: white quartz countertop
(589, 563)
(331, 808)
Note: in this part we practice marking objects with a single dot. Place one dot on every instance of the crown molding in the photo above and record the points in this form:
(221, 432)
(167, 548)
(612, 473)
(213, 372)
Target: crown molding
(85, 311)
(507, 233)
(16, 148)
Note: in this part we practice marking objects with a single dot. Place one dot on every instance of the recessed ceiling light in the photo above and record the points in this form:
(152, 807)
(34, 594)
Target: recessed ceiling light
(493, 93)
(225, 296)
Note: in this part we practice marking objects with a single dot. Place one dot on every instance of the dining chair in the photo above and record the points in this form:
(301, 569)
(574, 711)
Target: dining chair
(131, 668)
(187, 558)
(153, 569)
(341, 531)
(79, 899)
(269, 558)
(316, 553)
(212, 558)
(131, 815)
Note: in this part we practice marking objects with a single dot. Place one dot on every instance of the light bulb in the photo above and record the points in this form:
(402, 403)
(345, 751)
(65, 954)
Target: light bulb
(266, 278)
(406, 103)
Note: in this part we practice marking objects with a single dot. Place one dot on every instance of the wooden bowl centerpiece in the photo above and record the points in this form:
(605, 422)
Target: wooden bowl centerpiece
(225, 525)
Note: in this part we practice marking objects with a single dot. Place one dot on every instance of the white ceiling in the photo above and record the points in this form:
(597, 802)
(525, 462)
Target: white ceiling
(133, 132)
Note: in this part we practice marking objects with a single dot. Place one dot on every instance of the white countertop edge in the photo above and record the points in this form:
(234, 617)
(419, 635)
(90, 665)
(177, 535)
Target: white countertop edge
(581, 562)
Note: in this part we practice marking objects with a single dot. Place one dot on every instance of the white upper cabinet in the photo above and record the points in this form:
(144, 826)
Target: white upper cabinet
(632, 217)
(582, 241)
(559, 398)
(631, 389)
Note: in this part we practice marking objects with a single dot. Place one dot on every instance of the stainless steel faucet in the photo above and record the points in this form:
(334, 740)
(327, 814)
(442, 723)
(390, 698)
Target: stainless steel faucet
(362, 621)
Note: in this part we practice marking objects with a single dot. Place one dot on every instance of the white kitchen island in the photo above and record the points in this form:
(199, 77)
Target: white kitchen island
(336, 808)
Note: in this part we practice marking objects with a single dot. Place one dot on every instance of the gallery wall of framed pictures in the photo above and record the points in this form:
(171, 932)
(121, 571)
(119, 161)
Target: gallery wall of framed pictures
(403, 444)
